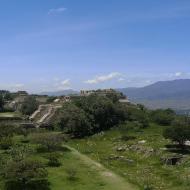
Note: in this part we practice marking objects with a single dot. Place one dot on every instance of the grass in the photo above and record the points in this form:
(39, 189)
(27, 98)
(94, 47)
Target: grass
(140, 165)
(6, 116)
(84, 178)
(9, 114)
(77, 171)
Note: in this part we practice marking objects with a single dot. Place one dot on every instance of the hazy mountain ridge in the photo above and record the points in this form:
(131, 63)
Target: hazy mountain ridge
(174, 94)
(60, 93)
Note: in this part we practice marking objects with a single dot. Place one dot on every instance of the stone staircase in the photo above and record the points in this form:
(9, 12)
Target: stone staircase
(44, 114)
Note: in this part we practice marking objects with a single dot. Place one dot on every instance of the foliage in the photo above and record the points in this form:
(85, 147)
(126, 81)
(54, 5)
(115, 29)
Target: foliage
(48, 142)
(25, 174)
(8, 130)
(54, 160)
(1, 102)
(163, 117)
(71, 174)
(6, 133)
(95, 113)
(6, 143)
(103, 112)
(179, 131)
(29, 105)
(74, 120)
(50, 99)
(115, 96)
(138, 116)
(20, 152)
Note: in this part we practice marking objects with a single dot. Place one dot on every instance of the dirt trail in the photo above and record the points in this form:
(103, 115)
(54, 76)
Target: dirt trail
(113, 180)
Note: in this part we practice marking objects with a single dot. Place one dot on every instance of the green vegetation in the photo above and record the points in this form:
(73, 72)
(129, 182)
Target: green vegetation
(179, 131)
(92, 114)
(95, 142)
(29, 105)
(6, 116)
(137, 156)
(163, 117)
(1, 102)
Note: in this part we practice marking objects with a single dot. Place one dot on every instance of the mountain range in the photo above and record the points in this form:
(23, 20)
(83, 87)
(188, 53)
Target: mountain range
(173, 94)
(163, 94)
(60, 93)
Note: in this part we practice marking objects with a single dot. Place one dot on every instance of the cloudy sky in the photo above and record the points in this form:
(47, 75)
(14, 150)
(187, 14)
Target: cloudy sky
(48, 45)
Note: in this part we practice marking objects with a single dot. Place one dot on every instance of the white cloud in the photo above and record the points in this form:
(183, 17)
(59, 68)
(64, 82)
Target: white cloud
(178, 74)
(121, 79)
(66, 82)
(18, 85)
(57, 11)
(103, 78)
(148, 81)
(63, 85)
(13, 87)
(56, 79)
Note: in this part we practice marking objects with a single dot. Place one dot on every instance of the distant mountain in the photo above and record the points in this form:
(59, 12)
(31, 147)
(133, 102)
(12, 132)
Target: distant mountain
(60, 93)
(173, 94)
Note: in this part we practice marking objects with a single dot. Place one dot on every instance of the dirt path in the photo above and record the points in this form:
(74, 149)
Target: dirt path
(114, 181)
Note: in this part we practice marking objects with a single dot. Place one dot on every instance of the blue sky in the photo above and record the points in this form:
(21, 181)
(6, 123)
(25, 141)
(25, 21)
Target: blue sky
(49, 45)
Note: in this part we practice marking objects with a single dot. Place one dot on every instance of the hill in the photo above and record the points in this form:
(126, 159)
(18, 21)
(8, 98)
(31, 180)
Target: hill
(163, 94)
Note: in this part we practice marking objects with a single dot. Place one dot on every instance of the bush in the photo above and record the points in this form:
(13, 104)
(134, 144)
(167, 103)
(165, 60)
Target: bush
(138, 116)
(50, 99)
(29, 105)
(71, 174)
(48, 141)
(6, 143)
(34, 184)
(54, 160)
(163, 117)
(25, 174)
(74, 121)
(178, 134)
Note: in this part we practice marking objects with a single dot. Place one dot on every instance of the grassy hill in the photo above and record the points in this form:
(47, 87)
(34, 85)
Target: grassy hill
(138, 159)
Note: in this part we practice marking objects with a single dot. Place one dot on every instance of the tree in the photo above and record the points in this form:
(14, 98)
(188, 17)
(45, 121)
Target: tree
(178, 132)
(1, 103)
(139, 116)
(49, 141)
(115, 96)
(50, 99)
(25, 174)
(101, 111)
(74, 121)
(21, 173)
(163, 117)
(29, 105)
(6, 135)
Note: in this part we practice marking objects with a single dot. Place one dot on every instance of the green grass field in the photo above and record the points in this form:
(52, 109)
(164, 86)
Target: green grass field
(88, 174)
(97, 164)
(141, 165)
(6, 116)
(9, 114)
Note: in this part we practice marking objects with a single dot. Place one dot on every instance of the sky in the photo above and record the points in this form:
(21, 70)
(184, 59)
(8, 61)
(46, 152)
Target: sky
(53, 45)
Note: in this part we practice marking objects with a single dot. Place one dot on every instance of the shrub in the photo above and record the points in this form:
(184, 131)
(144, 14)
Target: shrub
(25, 174)
(71, 174)
(74, 121)
(6, 143)
(29, 105)
(54, 160)
(163, 117)
(48, 141)
(177, 133)
(138, 116)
